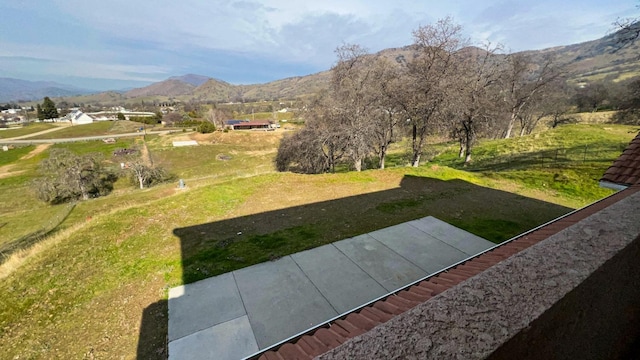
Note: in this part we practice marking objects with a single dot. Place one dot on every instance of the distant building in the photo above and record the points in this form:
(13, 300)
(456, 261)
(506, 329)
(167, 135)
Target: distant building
(111, 115)
(252, 125)
(79, 118)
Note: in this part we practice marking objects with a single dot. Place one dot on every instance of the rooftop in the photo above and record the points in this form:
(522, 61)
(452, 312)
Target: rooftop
(625, 171)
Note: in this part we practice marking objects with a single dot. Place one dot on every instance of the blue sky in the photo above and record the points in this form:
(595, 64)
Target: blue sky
(114, 44)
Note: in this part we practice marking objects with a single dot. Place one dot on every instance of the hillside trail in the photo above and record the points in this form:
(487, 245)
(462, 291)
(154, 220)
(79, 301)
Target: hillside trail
(145, 155)
(5, 171)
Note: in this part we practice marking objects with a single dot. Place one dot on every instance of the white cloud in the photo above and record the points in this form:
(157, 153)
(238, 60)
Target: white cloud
(56, 60)
(151, 39)
(269, 27)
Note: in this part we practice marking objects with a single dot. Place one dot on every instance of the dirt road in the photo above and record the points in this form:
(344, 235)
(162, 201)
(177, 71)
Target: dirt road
(5, 171)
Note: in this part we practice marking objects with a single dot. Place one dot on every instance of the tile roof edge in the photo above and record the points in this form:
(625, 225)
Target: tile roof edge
(327, 323)
(612, 176)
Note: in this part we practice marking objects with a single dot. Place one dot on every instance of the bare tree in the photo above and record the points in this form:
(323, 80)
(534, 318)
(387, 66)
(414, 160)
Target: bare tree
(553, 102)
(427, 75)
(389, 115)
(521, 81)
(474, 95)
(303, 152)
(145, 175)
(216, 117)
(593, 96)
(627, 31)
(354, 100)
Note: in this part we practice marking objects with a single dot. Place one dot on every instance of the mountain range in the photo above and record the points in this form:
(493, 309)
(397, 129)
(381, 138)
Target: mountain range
(21, 90)
(601, 59)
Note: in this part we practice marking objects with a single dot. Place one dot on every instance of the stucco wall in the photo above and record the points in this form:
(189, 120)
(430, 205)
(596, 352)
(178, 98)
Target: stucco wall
(573, 295)
(600, 319)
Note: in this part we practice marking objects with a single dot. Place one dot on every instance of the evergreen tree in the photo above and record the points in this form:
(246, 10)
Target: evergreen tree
(48, 109)
(39, 112)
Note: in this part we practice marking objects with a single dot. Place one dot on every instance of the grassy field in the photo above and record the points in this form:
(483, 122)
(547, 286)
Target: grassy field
(26, 130)
(277, 116)
(82, 292)
(566, 161)
(94, 129)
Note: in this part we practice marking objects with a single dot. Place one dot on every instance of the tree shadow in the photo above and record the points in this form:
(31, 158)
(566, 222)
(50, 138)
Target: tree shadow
(595, 153)
(219, 247)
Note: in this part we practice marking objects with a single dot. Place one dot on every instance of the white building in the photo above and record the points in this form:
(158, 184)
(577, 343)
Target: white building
(78, 117)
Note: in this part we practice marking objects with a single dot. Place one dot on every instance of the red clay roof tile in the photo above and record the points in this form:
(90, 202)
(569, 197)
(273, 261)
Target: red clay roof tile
(329, 338)
(312, 346)
(290, 351)
(353, 330)
(388, 308)
(624, 171)
(361, 322)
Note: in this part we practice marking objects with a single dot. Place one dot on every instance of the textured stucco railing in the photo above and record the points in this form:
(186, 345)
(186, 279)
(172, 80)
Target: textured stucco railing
(573, 295)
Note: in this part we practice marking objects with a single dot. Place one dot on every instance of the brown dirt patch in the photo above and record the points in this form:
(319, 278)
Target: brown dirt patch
(39, 149)
(144, 155)
(241, 137)
(6, 170)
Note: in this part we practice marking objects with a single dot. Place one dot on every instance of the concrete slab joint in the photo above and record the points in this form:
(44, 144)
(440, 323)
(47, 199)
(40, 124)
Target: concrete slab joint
(233, 315)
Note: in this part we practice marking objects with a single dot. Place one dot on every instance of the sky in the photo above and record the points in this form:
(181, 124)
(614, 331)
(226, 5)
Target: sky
(117, 44)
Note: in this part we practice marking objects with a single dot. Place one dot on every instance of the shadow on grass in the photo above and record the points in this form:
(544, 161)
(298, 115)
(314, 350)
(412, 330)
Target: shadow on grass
(152, 343)
(215, 248)
(604, 153)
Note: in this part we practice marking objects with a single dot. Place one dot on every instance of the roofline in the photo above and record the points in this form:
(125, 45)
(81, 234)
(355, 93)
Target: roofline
(325, 323)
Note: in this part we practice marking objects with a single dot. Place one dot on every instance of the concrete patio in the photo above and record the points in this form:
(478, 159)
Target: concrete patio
(234, 315)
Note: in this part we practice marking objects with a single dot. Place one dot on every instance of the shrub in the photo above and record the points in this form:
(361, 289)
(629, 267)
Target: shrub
(68, 177)
(206, 127)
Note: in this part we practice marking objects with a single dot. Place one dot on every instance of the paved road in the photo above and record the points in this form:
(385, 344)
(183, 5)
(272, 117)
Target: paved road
(20, 140)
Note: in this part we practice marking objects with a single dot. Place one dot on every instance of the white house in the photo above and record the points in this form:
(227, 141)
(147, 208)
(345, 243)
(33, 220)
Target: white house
(79, 118)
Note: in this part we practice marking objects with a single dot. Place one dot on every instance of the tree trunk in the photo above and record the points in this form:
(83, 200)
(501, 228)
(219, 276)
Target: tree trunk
(141, 182)
(512, 121)
(415, 146)
(468, 137)
(383, 154)
(522, 131)
(415, 161)
(83, 190)
(462, 149)
(358, 164)
(330, 159)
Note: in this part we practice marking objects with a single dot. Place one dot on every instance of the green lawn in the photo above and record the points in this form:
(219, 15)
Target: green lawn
(24, 130)
(98, 146)
(83, 292)
(566, 161)
(94, 129)
(8, 157)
